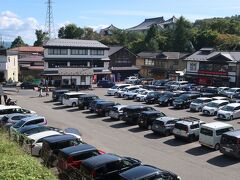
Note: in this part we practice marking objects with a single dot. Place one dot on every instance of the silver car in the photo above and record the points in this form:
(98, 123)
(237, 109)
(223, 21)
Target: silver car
(117, 112)
(229, 112)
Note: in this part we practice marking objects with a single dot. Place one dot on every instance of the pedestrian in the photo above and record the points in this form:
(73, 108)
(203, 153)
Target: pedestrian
(18, 87)
(5, 99)
(40, 92)
(46, 89)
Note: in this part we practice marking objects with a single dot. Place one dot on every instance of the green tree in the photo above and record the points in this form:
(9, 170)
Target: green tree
(18, 42)
(70, 31)
(206, 38)
(151, 39)
(41, 37)
(90, 34)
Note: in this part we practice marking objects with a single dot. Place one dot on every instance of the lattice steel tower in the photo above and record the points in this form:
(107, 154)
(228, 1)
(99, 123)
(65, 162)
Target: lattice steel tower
(49, 23)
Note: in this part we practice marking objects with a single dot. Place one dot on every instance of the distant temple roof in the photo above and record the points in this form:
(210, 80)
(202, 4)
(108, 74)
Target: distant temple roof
(108, 30)
(159, 21)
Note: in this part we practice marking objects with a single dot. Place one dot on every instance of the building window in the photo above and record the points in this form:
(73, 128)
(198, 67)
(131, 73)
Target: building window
(83, 78)
(57, 64)
(193, 67)
(97, 52)
(57, 51)
(79, 51)
(122, 61)
(232, 68)
(149, 62)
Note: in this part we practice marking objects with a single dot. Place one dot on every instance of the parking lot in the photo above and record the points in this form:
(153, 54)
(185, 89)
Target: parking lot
(188, 160)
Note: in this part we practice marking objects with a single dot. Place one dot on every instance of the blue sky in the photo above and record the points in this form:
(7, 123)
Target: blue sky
(22, 17)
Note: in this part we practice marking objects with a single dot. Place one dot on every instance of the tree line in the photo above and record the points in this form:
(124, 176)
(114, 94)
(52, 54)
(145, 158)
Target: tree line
(220, 33)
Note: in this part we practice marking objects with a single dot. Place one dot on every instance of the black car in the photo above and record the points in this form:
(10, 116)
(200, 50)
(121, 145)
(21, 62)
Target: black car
(85, 100)
(57, 93)
(147, 117)
(184, 100)
(92, 105)
(147, 172)
(131, 113)
(52, 145)
(210, 89)
(106, 167)
(167, 98)
(103, 107)
(153, 97)
(28, 85)
(105, 84)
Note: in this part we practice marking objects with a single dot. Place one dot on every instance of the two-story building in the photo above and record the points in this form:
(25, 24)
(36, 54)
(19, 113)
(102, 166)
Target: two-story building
(70, 62)
(122, 63)
(161, 65)
(8, 66)
(210, 67)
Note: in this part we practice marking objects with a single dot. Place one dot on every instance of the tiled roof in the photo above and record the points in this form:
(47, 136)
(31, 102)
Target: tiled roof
(28, 49)
(31, 59)
(114, 49)
(148, 54)
(163, 55)
(147, 23)
(74, 43)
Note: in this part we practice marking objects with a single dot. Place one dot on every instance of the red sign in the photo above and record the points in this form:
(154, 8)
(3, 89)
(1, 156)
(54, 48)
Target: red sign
(212, 73)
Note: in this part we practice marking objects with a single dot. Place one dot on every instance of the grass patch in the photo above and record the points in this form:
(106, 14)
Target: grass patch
(15, 164)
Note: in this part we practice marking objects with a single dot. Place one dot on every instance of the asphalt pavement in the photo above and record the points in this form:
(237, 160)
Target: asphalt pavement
(188, 160)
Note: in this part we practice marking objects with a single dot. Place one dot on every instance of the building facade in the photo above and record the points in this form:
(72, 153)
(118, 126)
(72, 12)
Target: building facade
(161, 65)
(8, 66)
(122, 63)
(70, 62)
(214, 68)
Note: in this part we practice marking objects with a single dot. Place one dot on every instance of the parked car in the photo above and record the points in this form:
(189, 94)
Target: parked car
(188, 128)
(105, 84)
(236, 98)
(92, 106)
(132, 94)
(33, 143)
(117, 112)
(159, 85)
(131, 79)
(103, 107)
(121, 92)
(113, 90)
(168, 97)
(153, 97)
(210, 134)
(131, 113)
(71, 98)
(52, 145)
(212, 107)
(164, 125)
(85, 100)
(221, 89)
(211, 89)
(11, 119)
(230, 143)
(184, 100)
(189, 87)
(147, 172)
(57, 94)
(141, 96)
(229, 112)
(230, 92)
(106, 166)
(197, 104)
(178, 85)
(6, 110)
(72, 157)
(28, 85)
(146, 118)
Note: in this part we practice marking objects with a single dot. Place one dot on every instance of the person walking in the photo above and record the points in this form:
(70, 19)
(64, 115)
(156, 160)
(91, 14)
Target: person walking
(40, 92)
(5, 98)
(47, 94)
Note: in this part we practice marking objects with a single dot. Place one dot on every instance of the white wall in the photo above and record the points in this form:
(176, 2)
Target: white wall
(12, 68)
(189, 65)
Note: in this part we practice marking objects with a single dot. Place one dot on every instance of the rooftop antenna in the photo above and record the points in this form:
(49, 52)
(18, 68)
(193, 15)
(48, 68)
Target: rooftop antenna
(49, 23)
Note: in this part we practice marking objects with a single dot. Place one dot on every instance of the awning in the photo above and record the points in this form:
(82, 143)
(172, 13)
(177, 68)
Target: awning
(132, 68)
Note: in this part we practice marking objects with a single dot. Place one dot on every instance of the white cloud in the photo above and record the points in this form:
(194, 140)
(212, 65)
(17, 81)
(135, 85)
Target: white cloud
(98, 27)
(11, 26)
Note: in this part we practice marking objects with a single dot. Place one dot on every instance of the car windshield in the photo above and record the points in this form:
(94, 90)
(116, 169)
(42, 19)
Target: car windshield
(228, 108)
(198, 101)
(231, 90)
(152, 93)
(18, 124)
(212, 104)
(182, 97)
(114, 87)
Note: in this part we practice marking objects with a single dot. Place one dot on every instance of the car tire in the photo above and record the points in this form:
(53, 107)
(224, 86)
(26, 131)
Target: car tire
(231, 118)
(217, 147)
(74, 104)
(199, 109)
(85, 107)
(149, 127)
(192, 138)
(115, 94)
(106, 114)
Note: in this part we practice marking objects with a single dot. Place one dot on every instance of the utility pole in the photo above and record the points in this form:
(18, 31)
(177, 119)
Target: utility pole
(49, 23)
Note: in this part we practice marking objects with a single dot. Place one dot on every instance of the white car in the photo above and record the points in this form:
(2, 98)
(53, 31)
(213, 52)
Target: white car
(131, 79)
(197, 104)
(229, 112)
(178, 85)
(212, 107)
(141, 97)
(132, 94)
(230, 92)
(71, 98)
(33, 143)
(113, 90)
(117, 112)
(126, 89)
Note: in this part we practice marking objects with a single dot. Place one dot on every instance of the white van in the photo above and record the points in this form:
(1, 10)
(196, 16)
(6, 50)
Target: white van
(4, 110)
(211, 133)
(71, 98)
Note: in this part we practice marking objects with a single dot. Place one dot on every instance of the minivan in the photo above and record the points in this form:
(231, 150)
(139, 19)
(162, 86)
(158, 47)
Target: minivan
(210, 134)
(71, 98)
(230, 143)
